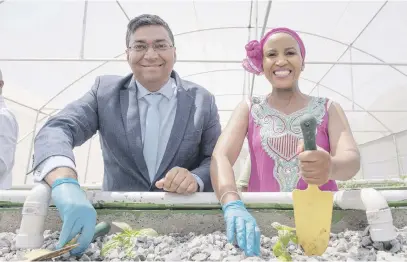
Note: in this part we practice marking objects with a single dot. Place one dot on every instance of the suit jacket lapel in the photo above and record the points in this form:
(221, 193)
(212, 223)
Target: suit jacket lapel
(184, 103)
(131, 120)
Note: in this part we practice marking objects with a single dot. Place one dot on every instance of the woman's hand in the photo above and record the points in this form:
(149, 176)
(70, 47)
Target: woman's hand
(315, 165)
(241, 227)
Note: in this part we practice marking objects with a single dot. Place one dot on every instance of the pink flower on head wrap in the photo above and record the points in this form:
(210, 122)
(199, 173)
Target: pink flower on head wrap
(254, 61)
(254, 50)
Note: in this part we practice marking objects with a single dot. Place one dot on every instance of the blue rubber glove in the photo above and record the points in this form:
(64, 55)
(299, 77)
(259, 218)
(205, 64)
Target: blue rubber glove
(240, 222)
(76, 212)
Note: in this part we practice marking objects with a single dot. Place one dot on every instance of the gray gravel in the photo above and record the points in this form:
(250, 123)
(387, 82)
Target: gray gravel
(345, 246)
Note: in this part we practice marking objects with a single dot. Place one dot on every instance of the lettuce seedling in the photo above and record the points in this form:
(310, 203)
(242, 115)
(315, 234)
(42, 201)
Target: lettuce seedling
(285, 236)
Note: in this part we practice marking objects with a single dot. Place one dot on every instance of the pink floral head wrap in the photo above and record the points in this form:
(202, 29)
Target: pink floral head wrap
(253, 62)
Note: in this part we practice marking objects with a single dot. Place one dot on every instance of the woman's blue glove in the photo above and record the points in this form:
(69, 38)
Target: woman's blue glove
(76, 212)
(239, 220)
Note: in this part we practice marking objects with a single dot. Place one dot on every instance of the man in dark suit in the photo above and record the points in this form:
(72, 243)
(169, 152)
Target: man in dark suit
(157, 131)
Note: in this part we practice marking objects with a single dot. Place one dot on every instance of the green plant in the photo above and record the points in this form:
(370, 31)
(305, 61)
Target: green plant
(285, 236)
(124, 240)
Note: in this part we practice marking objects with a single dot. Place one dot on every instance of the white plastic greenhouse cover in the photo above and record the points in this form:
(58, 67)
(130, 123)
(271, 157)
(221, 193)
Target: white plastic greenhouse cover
(51, 52)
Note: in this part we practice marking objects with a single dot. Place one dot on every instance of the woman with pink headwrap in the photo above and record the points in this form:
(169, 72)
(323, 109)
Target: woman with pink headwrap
(271, 125)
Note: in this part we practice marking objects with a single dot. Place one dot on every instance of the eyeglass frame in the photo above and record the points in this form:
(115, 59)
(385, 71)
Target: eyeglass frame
(153, 45)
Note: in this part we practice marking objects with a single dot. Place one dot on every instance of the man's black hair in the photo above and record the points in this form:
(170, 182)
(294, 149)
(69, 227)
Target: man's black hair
(146, 20)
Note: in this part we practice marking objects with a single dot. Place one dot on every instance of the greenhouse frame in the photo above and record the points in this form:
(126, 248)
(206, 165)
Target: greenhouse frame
(52, 51)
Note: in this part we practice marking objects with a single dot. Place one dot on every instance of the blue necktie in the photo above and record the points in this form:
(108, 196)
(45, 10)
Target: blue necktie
(150, 148)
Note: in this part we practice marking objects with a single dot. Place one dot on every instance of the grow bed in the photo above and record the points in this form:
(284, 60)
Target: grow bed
(344, 246)
(195, 232)
(198, 235)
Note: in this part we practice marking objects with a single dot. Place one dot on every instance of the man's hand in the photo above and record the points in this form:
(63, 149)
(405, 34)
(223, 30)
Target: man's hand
(178, 180)
(315, 165)
(77, 213)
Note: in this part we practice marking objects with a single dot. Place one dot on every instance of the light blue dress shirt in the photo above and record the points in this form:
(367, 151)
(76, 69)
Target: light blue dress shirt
(167, 108)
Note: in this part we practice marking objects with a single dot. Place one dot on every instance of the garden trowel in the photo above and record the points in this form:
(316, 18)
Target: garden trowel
(101, 229)
(312, 207)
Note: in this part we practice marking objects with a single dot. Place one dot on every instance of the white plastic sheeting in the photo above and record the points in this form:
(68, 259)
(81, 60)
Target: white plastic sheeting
(51, 52)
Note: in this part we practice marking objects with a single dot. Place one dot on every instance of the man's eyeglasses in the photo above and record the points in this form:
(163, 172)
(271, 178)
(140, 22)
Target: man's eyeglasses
(141, 47)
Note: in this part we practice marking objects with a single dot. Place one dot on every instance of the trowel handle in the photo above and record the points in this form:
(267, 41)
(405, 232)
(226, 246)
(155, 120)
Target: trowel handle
(101, 229)
(308, 124)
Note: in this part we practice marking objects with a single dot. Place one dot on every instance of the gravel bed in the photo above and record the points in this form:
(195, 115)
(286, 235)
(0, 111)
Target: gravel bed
(345, 246)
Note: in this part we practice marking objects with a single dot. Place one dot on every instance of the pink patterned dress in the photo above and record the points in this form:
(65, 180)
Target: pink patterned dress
(273, 137)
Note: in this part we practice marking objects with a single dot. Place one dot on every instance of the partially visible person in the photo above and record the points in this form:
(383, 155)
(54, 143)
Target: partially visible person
(8, 141)
(271, 124)
(243, 179)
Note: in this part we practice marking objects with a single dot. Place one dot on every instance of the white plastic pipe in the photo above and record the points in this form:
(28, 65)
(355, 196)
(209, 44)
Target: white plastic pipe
(378, 213)
(97, 186)
(34, 213)
(204, 198)
(37, 201)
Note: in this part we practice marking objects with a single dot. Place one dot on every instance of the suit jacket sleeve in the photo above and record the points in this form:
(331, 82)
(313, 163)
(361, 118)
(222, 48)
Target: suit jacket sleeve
(70, 128)
(210, 135)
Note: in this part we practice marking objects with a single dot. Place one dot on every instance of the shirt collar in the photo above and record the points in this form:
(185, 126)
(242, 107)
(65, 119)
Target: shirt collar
(168, 89)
